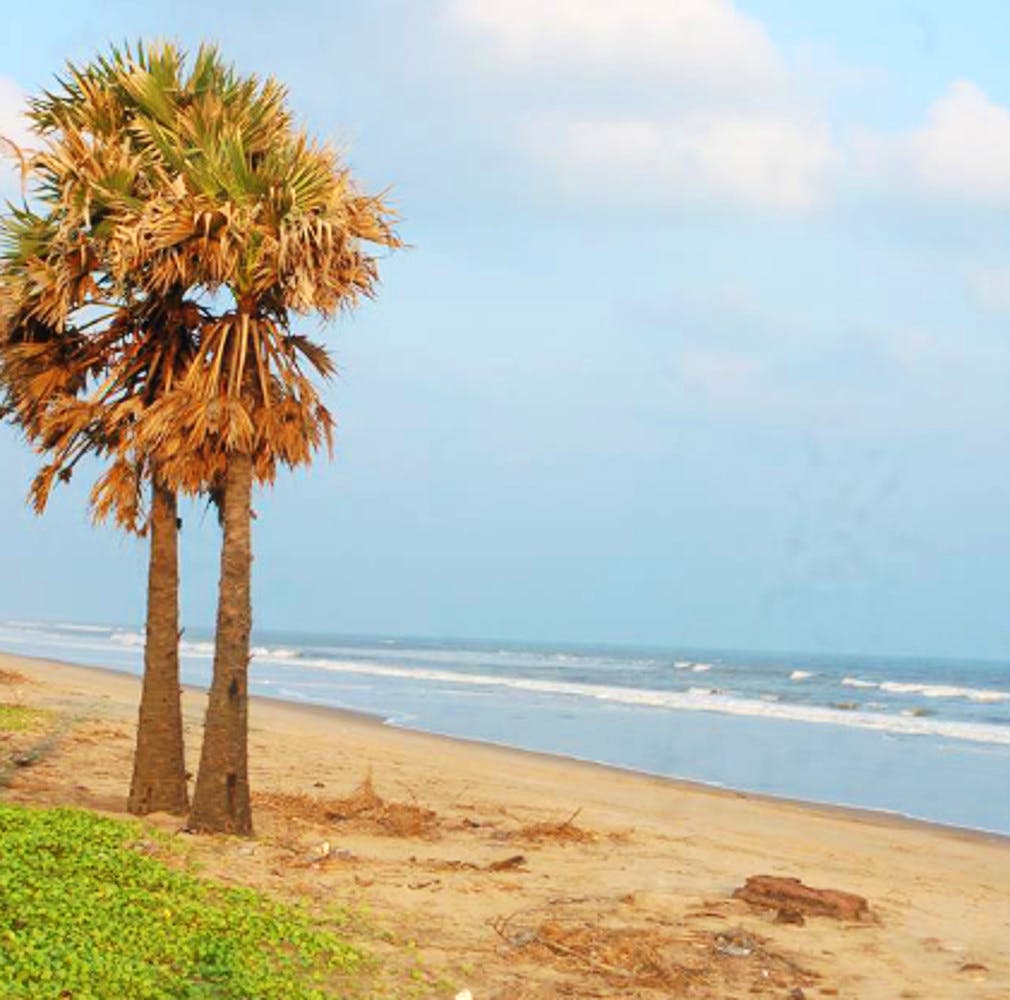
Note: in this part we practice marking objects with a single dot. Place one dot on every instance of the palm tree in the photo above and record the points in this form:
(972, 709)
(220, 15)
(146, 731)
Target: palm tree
(45, 368)
(54, 274)
(46, 363)
(243, 205)
(278, 223)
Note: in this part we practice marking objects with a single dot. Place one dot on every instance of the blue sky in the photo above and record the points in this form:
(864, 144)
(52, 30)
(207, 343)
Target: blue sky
(701, 338)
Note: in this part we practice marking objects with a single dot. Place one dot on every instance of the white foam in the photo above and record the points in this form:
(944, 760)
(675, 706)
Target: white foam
(265, 652)
(127, 638)
(945, 691)
(488, 658)
(989, 696)
(800, 675)
(931, 690)
(38, 642)
(700, 699)
(196, 648)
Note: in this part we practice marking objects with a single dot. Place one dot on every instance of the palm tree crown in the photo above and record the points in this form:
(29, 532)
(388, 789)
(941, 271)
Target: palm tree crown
(157, 185)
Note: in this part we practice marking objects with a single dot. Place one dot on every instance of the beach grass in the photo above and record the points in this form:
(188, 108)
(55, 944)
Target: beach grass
(22, 719)
(86, 911)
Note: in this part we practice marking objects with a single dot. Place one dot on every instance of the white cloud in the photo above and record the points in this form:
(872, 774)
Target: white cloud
(708, 158)
(961, 153)
(14, 127)
(691, 105)
(706, 42)
(964, 149)
(12, 105)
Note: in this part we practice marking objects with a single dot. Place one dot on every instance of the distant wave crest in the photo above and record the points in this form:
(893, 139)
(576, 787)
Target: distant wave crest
(698, 699)
(582, 675)
(930, 690)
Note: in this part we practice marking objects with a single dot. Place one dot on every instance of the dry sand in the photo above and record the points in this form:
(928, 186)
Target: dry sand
(632, 898)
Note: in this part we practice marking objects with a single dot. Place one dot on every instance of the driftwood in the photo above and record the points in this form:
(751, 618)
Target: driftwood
(791, 897)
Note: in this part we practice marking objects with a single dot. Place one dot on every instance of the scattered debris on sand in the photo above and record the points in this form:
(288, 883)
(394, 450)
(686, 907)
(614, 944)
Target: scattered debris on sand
(622, 955)
(565, 832)
(516, 862)
(364, 808)
(578, 936)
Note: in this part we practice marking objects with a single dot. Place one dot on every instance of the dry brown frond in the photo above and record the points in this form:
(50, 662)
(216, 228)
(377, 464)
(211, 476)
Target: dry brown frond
(158, 180)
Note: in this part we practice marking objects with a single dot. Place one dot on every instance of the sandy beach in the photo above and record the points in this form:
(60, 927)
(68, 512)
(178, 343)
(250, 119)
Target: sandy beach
(519, 875)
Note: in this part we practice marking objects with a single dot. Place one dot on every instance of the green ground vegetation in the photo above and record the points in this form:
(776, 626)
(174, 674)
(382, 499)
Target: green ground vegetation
(87, 911)
(20, 719)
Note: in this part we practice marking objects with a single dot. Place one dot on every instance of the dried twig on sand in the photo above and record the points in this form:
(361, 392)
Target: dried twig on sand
(514, 863)
(364, 807)
(565, 832)
(625, 956)
(595, 939)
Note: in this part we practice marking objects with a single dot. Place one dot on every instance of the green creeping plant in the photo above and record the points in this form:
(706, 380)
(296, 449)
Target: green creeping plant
(18, 719)
(85, 915)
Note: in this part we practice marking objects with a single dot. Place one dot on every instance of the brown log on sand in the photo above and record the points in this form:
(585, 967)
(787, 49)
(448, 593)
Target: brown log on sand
(775, 892)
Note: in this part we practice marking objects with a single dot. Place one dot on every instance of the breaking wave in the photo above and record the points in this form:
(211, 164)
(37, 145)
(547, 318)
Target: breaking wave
(696, 700)
(931, 690)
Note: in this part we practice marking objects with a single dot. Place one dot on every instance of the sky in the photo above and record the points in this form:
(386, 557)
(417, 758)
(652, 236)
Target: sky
(700, 340)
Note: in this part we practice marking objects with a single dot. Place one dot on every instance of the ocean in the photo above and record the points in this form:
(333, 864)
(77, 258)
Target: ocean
(926, 738)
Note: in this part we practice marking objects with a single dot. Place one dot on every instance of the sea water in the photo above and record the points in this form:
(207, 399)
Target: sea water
(928, 738)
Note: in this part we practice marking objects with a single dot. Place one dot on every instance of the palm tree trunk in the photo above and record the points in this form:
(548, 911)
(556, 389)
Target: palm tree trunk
(159, 764)
(221, 799)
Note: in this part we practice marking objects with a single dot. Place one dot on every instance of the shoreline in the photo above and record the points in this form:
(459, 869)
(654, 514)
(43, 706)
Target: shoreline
(469, 836)
(880, 817)
(877, 817)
